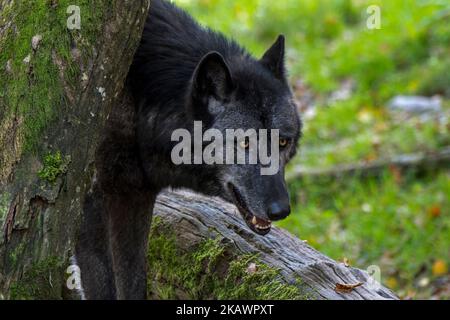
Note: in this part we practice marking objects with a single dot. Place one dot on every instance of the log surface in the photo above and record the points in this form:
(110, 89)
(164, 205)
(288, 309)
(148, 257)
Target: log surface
(194, 218)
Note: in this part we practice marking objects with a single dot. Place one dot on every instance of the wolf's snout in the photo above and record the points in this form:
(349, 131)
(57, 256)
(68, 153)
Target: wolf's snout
(278, 211)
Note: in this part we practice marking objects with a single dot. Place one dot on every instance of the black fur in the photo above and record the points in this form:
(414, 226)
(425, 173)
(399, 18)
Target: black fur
(183, 72)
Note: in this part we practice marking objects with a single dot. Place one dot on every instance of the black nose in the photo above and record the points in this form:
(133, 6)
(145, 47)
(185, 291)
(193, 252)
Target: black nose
(278, 211)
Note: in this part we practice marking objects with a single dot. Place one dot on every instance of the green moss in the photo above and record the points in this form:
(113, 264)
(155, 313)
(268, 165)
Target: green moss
(54, 166)
(207, 273)
(5, 199)
(263, 284)
(14, 255)
(40, 282)
(34, 92)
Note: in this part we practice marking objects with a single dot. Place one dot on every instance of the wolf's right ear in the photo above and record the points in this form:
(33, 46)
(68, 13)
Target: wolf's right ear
(212, 78)
(274, 58)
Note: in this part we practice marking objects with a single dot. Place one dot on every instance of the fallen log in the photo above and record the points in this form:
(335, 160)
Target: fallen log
(192, 219)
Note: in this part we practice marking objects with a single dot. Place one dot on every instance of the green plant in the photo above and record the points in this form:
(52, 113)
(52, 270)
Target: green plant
(207, 272)
(54, 166)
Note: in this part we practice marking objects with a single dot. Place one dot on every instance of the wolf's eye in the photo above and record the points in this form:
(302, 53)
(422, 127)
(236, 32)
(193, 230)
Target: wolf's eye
(283, 142)
(244, 144)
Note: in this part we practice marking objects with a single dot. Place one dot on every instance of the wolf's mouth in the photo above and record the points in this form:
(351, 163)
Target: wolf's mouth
(256, 224)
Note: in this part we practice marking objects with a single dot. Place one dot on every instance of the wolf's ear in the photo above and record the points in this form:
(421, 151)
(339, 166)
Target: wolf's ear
(273, 59)
(212, 78)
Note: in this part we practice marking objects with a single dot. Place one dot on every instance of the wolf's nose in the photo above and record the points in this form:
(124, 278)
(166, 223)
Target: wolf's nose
(278, 211)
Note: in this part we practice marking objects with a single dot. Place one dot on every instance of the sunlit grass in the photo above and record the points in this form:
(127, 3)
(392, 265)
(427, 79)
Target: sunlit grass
(329, 40)
(401, 224)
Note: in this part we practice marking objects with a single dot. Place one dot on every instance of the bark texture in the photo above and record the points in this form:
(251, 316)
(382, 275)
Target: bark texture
(57, 88)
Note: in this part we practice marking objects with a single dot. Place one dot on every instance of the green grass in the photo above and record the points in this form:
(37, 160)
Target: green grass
(328, 42)
(39, 281)
(391, 222)
(350, 132)
(401, 225)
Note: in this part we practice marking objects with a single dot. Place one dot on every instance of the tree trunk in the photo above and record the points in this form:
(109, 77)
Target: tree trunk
(59, 82)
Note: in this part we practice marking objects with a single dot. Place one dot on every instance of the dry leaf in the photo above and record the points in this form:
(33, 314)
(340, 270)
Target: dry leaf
(440, 268)
(434, 211)
(347, 288)
(392, 283)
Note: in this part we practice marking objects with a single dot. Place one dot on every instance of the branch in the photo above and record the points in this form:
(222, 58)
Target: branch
(419, 161)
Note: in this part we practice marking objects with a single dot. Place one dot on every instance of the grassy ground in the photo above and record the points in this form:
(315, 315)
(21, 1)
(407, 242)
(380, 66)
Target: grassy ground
(400, 223)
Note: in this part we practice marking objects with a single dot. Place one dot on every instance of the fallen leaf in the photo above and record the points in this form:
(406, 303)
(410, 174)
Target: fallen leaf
(440, 268)
(347, 288)
(434, 211)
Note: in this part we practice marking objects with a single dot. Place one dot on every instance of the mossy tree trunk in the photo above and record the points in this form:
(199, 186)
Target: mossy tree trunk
(58, 85)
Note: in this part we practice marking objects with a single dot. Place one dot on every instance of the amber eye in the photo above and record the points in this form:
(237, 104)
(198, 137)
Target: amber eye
(283, 142)
(244, 144)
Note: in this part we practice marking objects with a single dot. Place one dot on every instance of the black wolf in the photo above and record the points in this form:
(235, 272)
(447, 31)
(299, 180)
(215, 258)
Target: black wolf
(181, 73)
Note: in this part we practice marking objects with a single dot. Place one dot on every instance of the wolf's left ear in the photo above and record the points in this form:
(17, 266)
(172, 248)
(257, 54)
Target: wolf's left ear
(212, 77)
(273, 59)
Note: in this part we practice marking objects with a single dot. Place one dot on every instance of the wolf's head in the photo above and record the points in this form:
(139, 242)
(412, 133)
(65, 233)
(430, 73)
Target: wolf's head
(244, 93)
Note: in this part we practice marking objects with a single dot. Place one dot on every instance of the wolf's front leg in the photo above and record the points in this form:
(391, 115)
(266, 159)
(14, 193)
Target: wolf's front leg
(130, 219)
(93, 250)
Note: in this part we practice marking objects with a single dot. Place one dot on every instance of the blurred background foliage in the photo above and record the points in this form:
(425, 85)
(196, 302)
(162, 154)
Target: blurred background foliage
(344, 77)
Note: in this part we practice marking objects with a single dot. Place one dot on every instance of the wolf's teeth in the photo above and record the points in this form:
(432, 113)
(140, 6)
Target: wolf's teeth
(254, 221)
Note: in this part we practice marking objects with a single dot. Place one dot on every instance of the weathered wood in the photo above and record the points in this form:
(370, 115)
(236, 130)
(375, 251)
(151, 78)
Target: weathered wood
(194, 218)
(417, 161)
